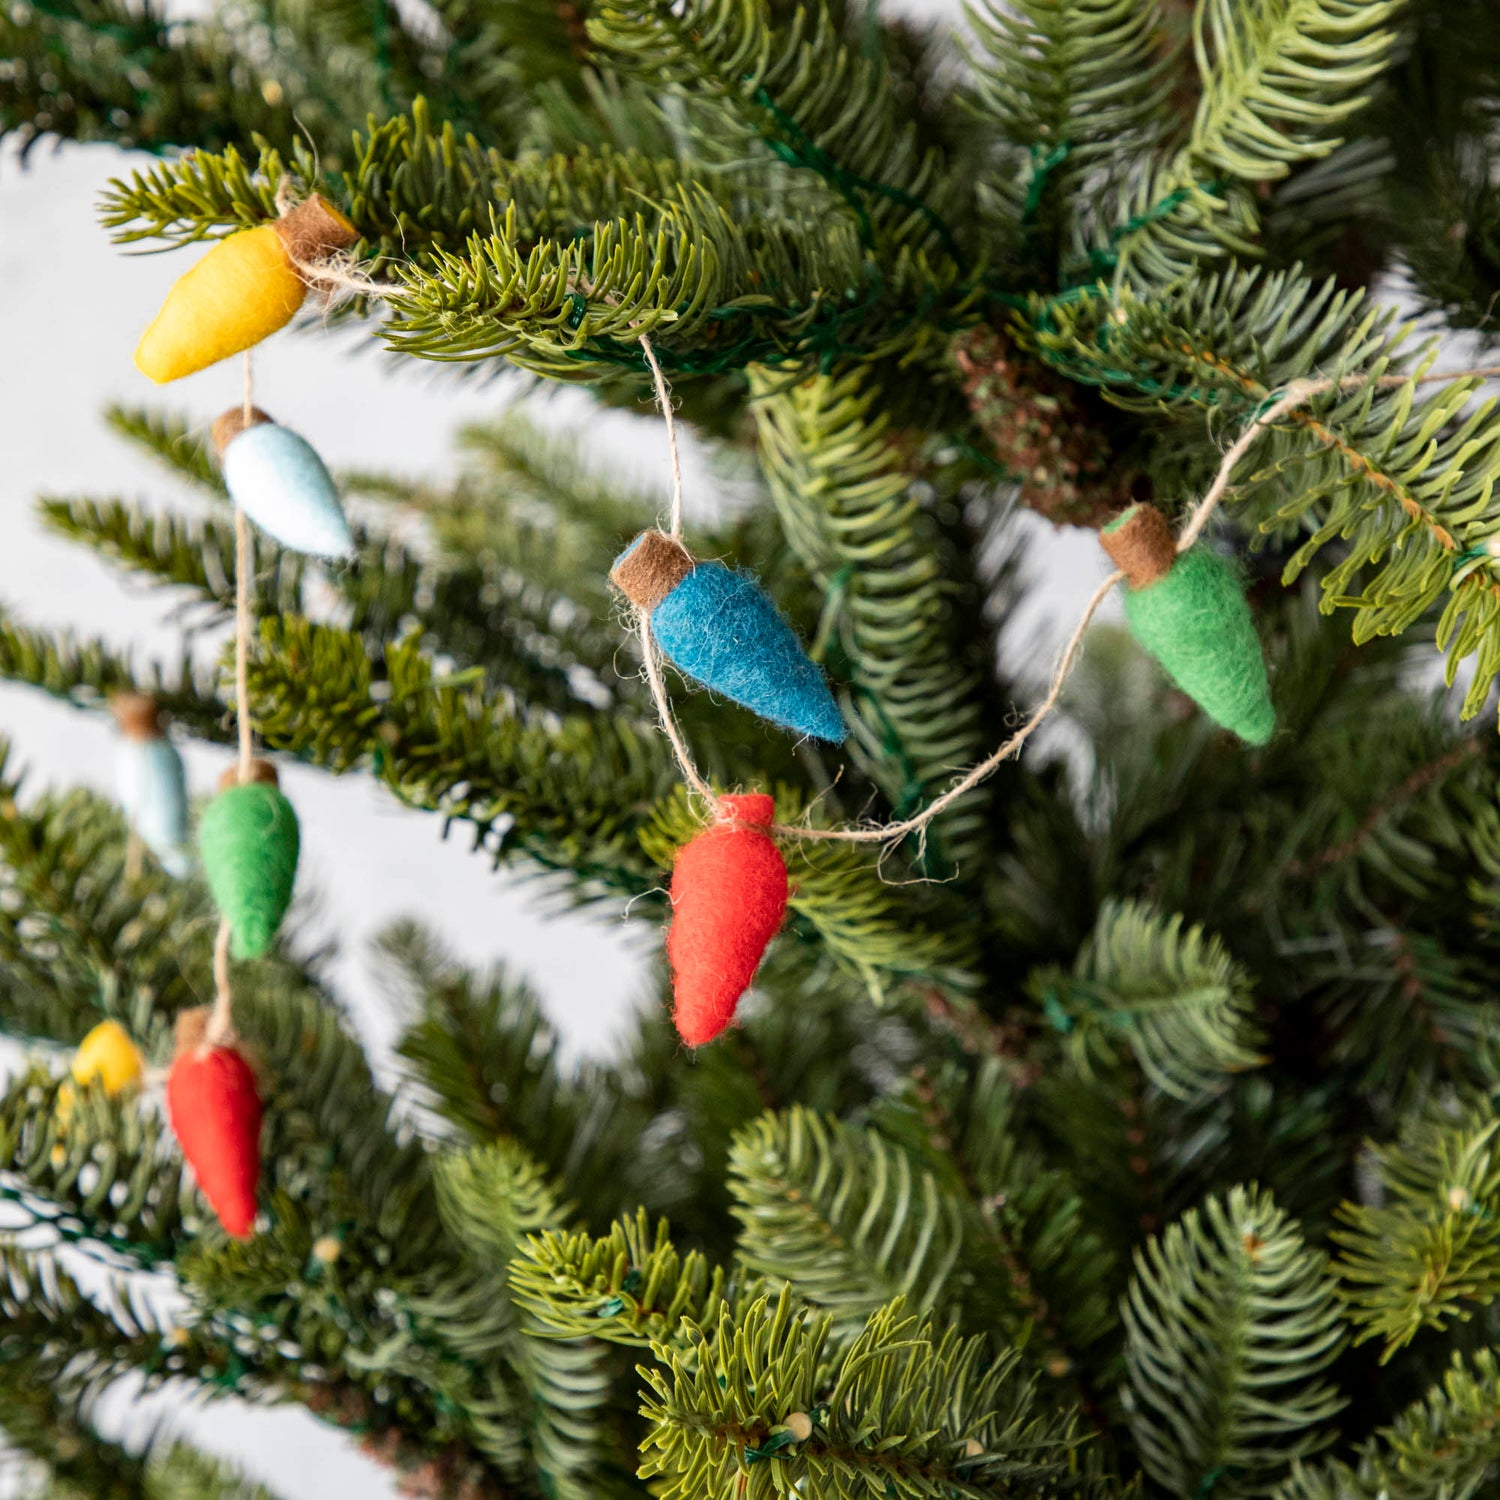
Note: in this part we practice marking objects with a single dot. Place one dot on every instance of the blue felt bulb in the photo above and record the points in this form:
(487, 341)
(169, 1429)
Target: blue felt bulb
(153, 792)
(277, 479)
(720, 627)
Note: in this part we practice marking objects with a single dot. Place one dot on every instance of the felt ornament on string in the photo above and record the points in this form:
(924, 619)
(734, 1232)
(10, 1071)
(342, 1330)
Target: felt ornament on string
(719, 627)
(249, 285)
(151, 782)
(107, 1056)
(729, 896)
(215, 1110)
(1188, 610)
(278, 480)
(248, 839)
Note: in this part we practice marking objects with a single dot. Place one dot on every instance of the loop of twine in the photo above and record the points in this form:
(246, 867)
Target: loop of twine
(1292, 397)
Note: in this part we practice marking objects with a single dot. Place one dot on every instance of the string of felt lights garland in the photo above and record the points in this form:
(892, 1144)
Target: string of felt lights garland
(729, 886)
(1183, 603)
(249, 285)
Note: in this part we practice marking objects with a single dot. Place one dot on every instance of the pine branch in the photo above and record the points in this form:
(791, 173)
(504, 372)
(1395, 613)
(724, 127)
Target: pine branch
(629, 1287)
(331, 1114)
(83, 1167)
(810, 99)
(534, 503)
(1074, 91)
(807, 1036)
(322, 1316)
(590, 252)
(1446, 1444)
(1058, 1276)
(77, 1348)
(727, 1412)
(842, 1216)
(1229, 1321)
(55, 1434)
(567, 795)
(1279, 78)
(1173, 997)
(533, 640)
(84, 673)
(189, 554)
(492, 1199)
(1430, 1253)
(175, 441)
(856, 523)
(78, 940)
(92, 70)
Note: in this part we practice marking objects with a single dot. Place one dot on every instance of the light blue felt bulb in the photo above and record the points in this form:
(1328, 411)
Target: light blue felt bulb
(721, 628)
(152, 788)
(278, 480)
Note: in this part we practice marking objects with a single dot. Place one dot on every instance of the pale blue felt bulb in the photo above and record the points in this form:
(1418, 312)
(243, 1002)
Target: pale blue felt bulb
(720, 627)
(278, 480)
(153, 792)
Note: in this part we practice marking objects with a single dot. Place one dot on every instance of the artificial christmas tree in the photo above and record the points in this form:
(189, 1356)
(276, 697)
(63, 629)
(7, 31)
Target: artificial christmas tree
(1119, 1122)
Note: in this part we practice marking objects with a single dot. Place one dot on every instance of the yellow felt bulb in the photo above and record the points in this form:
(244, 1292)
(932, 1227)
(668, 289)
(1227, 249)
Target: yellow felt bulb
(241, 292)
(108, 1055)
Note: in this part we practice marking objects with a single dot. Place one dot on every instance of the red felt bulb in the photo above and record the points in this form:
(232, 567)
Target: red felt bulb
(215, 1110)
(729, 895)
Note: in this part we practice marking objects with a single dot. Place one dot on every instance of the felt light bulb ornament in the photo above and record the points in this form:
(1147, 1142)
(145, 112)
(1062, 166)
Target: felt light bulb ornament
(719, 627)
(108, 1056)
(1189, 612)
(151, 782)
(215, 1109)
(279, 481)
(729, 895)
(245, 288)
(248, 839)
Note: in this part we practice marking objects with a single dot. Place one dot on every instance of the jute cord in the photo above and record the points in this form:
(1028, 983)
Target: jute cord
(664, 401)
(1295, 395)
(220, 1030)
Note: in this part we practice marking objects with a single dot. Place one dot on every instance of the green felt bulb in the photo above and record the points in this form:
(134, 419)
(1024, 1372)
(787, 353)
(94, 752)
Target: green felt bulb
(248, 839)
(1190, 613)
(1196, 623)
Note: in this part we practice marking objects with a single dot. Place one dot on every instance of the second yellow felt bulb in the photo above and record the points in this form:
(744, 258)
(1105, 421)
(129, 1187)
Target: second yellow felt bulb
(108, 1055)
(245, 288)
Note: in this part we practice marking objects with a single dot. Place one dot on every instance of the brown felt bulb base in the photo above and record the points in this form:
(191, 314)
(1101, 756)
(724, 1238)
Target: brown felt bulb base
(260, 770)
(314, 230)
(1141, 545)
(137, 715)
(651, 569)
(228, 425)
(191, 1029)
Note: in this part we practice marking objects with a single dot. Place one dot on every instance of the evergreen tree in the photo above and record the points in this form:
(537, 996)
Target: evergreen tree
(1133, 1131)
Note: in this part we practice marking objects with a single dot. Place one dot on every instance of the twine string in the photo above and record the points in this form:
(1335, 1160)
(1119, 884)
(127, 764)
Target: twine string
(242, 622)
(1291, 398)
(651, 659)
(664, 401)
(242, 599)
(220, 1030)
